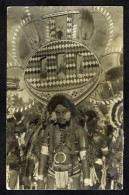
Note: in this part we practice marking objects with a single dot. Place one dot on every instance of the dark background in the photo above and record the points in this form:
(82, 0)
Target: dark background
(3, 42)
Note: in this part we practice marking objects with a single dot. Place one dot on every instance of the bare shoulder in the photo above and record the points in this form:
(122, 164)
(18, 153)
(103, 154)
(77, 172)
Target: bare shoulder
(49, 127)
(79, 129)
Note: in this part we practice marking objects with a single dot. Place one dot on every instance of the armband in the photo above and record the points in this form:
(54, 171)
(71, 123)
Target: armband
(83, 155)
(44, 150)
(87, 182)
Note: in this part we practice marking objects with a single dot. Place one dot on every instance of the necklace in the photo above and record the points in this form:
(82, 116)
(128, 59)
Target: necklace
(60, 156)
(62, 138)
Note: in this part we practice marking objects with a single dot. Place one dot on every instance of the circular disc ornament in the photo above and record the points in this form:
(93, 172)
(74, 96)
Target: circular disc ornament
(60, 157)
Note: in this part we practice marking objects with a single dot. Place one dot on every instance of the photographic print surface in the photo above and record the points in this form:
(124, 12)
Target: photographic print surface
(64, 98)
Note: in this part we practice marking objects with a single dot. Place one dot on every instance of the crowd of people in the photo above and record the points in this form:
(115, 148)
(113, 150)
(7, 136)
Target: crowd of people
(56, 149)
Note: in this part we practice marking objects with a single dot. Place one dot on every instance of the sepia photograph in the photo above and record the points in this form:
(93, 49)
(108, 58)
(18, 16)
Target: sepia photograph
(64, 98)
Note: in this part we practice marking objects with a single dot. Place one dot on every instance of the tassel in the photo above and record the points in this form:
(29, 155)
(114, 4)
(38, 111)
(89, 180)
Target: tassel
(70, 183)
(61, 179)
(7, 176)
(17, 184)
(104, 176)
(36, 170)
(112, 184)
(93, 176)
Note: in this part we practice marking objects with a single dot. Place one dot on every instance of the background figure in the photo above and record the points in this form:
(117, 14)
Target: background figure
(98, 150)
(20, 131)
(115, 158)
(13, 153)
(32, 146)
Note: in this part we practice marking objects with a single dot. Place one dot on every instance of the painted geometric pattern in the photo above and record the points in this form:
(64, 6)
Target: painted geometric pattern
(69, 27)
(89, 67)
(116, 111)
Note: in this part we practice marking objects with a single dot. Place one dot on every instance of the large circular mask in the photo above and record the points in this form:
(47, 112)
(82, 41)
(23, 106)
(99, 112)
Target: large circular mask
(63, 66)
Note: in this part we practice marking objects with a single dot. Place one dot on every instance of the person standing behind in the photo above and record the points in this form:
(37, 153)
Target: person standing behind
(12, 152)
(98, 150)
